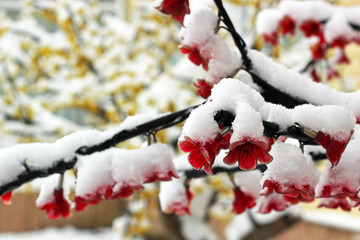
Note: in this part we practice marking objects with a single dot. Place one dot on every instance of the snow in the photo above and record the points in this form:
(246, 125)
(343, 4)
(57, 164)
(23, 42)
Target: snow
(69, 233)
(14, 159)
(224, 62)
(301, 11)
(229, 92)
(134, 167)
(249, 181)
(48, 185)
(288, 167)
(338, 26)
(98, 166)
(297, 85)
(267, 21)
(173, 194)
(199, 26)
(199, 32)
(226, 95)
(346, 173)
(122, 168)
(247, 123)
(336, 121)
(201, 124)
(278, 114)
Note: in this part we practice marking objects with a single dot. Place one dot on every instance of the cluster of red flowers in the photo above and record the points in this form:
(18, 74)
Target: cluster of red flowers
(247, 152)
(335, 202)
(341, 195)
(293, 193)
(126, 190)
(196, 53)
(313, 28)
(59, 206)
(104, 193)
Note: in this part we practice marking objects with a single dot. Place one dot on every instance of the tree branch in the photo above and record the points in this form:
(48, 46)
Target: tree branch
(60, 165)
(239, 42)
(194, 173)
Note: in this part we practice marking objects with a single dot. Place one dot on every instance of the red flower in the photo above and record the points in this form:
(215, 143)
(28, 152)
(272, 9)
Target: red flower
(6, 198)
(343, 59)
(247, 152)
(204, 88)
(272, 202)
(287, 25)
(335, 203)
(202, 155)
(176, 8)
(271, 38)
(338, 190)
(59, 206)
(160, 175)
(358, 119)
(182, 208)
(334, 148)
(303, 197)
(332, 73)
(195, 56)
(242, 201)
(339, 42)
(315, 76)
(292, 193)
(318, 51)
(125, 191)
(312, 28)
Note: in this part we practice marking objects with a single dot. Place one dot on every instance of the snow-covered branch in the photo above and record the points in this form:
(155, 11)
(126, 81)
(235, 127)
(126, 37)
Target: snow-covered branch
(25, 162)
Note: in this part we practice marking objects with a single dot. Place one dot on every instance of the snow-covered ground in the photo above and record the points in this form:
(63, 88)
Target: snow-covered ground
(68, 233)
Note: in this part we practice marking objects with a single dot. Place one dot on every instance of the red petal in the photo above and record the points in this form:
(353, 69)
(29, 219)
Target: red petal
(311, 28)
(187, 145)
(232, 157)
(268, 187)
(318, 51)
(196, 159)
(6, 198)
(287, 25)
(247, 161)
(340, 42)
(208, 168)
(261, 155)
(204, 88)
(343, 59)
(177, 8)
(315, 76)
(334, 148)
(271, 38)
(80, 203)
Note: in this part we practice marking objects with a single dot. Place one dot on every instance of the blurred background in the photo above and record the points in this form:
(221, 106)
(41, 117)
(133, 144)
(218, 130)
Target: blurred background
(68, 65)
